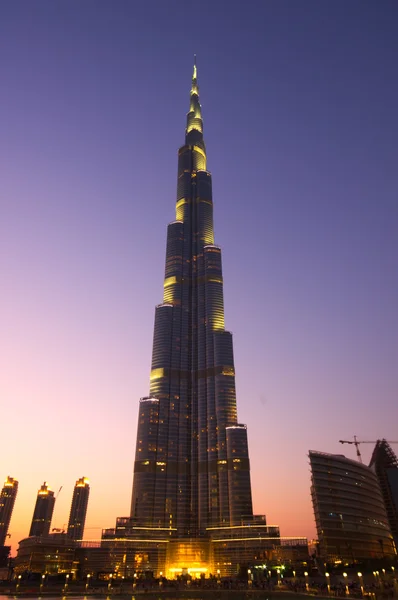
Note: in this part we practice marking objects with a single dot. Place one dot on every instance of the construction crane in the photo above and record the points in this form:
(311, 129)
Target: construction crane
(356, 443)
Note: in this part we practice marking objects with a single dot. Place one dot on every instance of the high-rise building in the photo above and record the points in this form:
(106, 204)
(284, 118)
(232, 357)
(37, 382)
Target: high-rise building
(78, 510)
(7, 501)
(43, 512)
(192, 462)
(191, 508)
(385, 464)
(350, 516)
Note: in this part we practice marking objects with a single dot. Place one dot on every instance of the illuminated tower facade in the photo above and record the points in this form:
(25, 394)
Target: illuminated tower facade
(78, 510)
(43, 512)
(192, 464)
(7, 501)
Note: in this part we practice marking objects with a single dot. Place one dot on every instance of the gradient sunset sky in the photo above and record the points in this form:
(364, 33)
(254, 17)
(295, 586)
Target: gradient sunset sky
(300, 111)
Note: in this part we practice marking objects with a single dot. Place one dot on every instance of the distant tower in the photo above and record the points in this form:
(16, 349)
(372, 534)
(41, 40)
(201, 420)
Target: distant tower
(7, 501)
(43, 513)
(385, 464)
(78, 510)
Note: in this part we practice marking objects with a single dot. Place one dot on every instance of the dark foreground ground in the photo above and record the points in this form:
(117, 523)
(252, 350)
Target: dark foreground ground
(171, 590)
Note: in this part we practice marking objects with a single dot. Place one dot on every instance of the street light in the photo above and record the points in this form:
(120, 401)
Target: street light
(306, 581)
(110, 581)
(360, 582)
(249, 577)
(19, 581)
(346, 586)
(328, 581)
(394, 578)
(88, 580)
(218, 577)
(42, 581)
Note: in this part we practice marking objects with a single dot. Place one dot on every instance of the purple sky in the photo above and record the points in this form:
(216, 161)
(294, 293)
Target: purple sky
(300, 111)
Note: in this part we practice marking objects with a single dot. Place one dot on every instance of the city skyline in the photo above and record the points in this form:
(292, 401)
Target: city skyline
(302, 127)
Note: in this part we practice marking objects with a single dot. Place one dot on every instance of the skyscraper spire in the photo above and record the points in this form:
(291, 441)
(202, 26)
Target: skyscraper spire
(194, 130)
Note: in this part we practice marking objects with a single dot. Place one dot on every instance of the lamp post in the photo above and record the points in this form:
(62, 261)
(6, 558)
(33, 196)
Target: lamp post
(42, 582)
(346, 586)
(307, 587)
(88, 581)
(278, 572)
(360, 582)
(328, 582)
(218, 577)
(160, 579)
(19, 582)
(394, 579)
(375, 576)
(249, 577)
(110, 582)
(134, 581)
